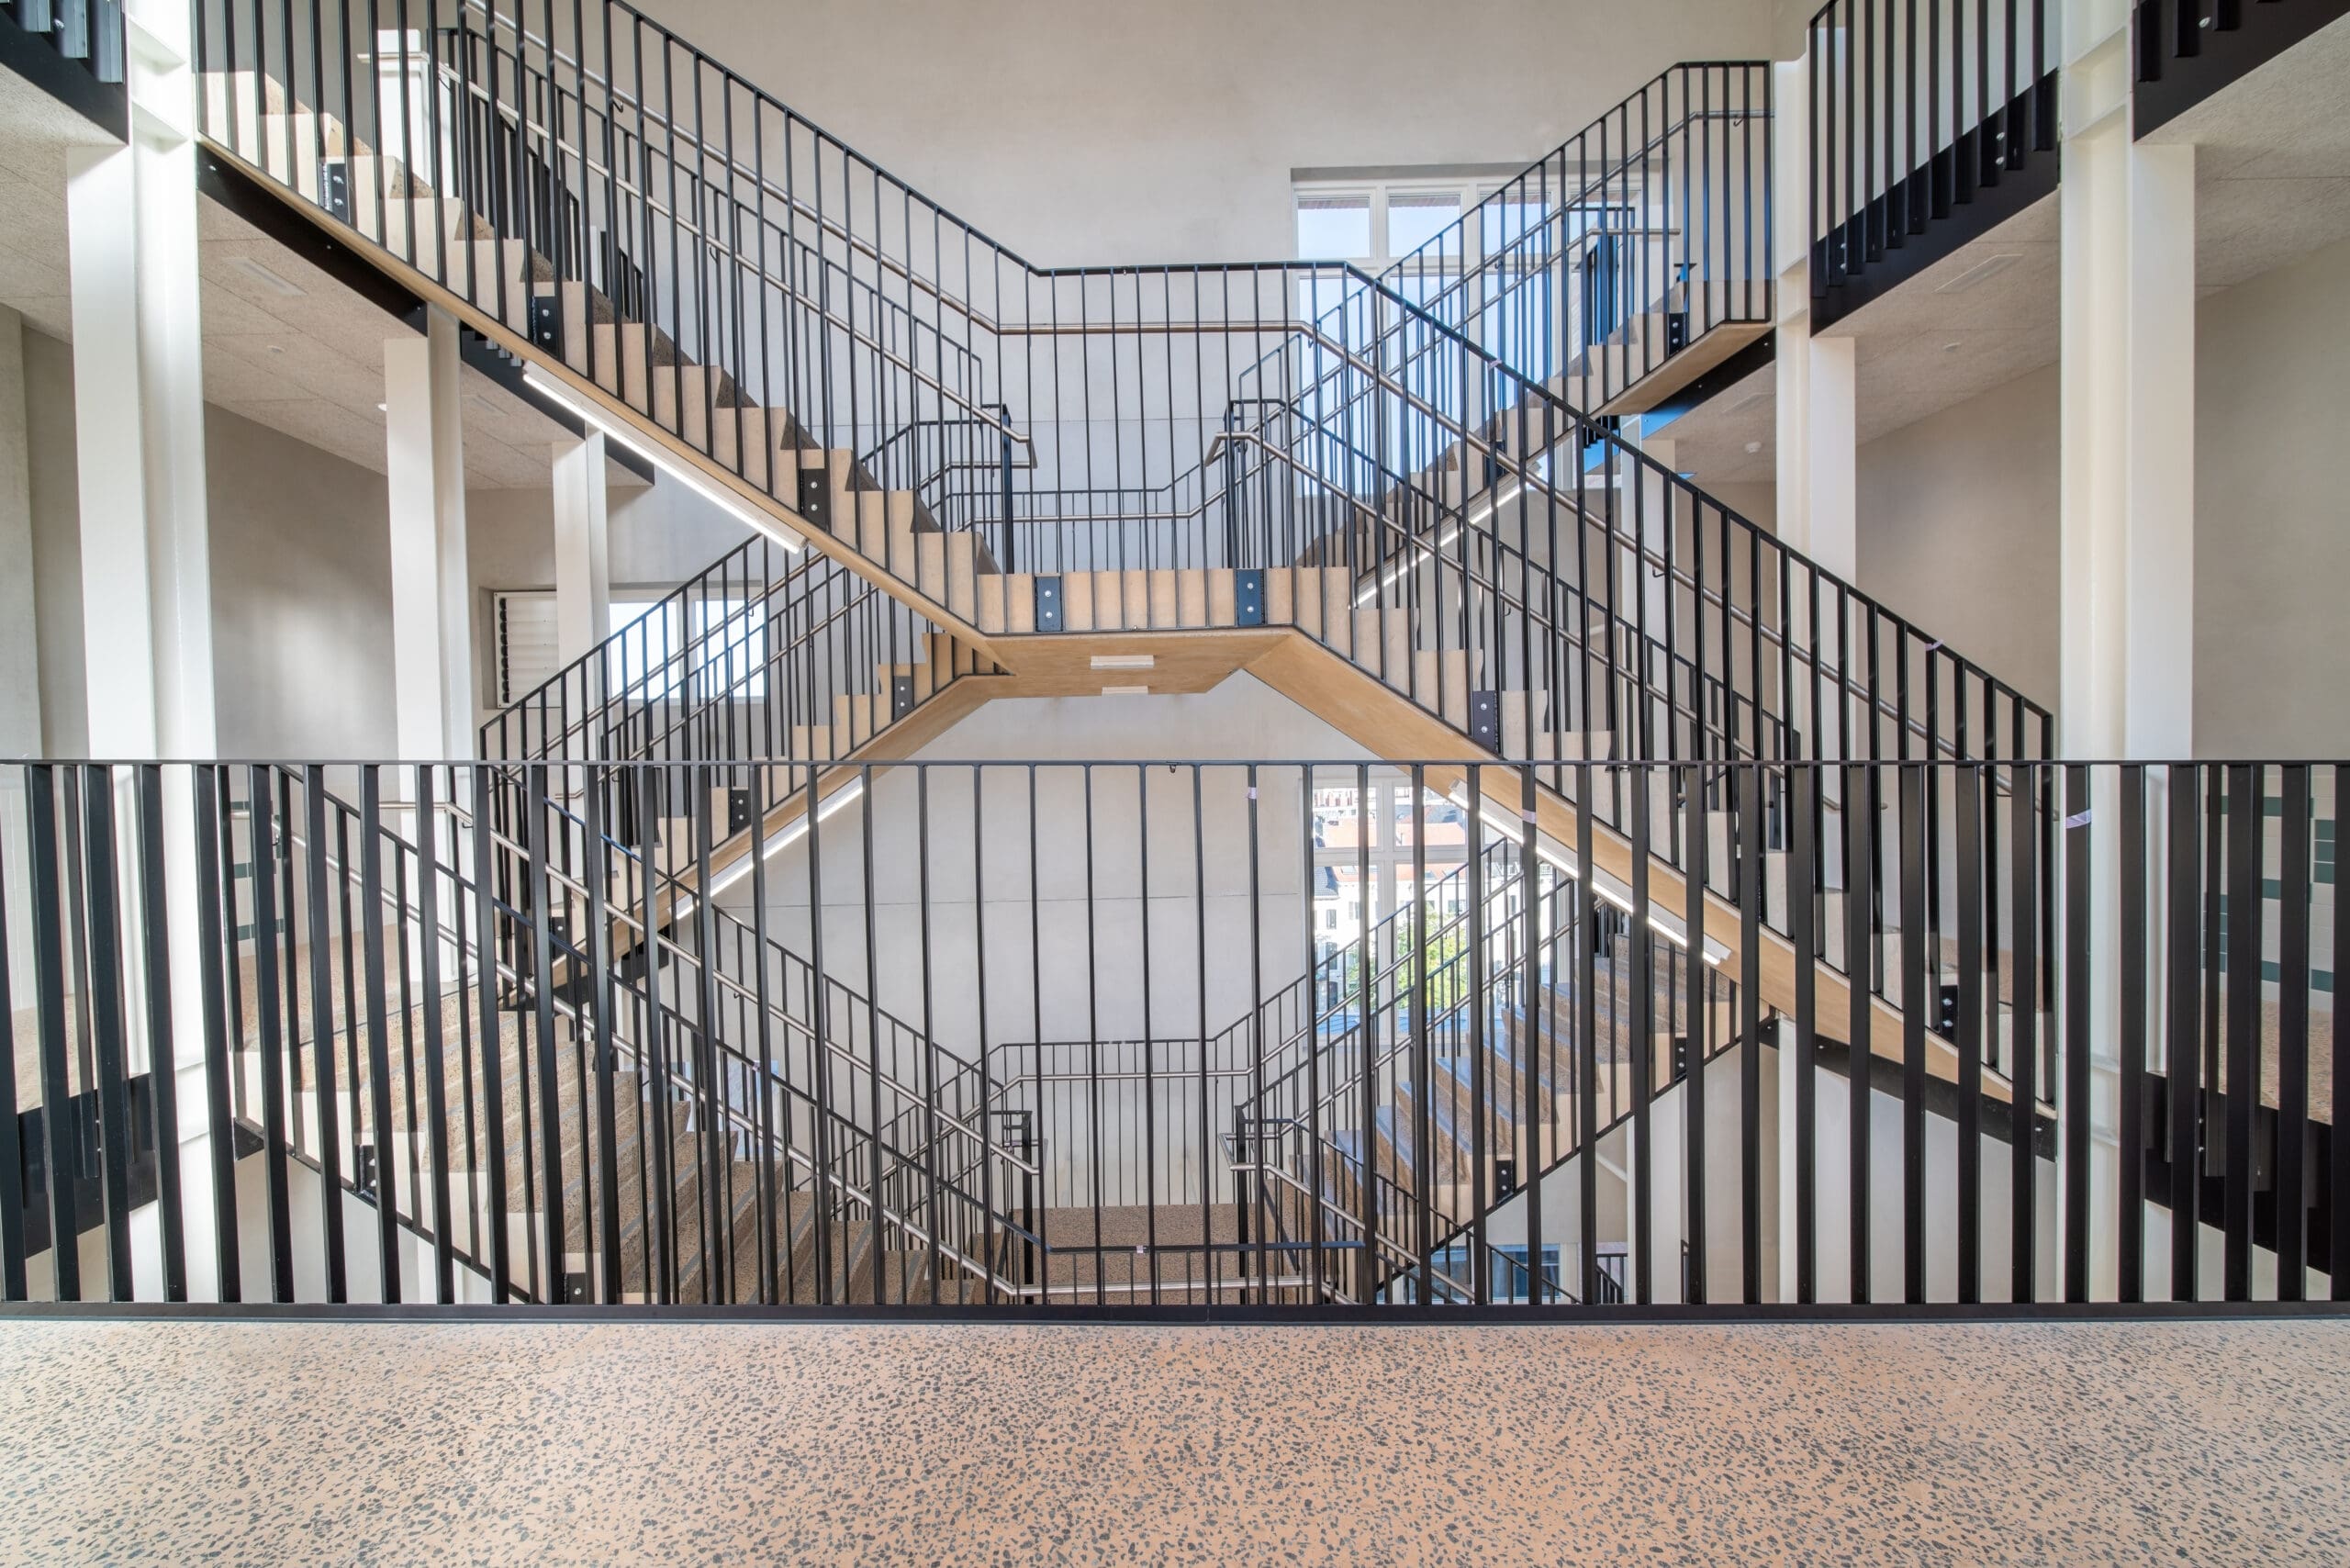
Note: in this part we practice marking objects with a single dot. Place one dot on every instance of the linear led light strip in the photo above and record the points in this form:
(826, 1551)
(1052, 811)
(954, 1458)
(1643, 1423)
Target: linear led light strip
(1485, 509)
(1603, 886)
(845, 795)
(664, 462)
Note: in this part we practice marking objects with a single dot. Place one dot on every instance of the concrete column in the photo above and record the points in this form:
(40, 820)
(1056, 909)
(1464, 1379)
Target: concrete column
(19, 639)
(434, 691)
(145, 537)
(1818, 442)
(2127, 527)
(1817, 460)
(583, 577)
(138, 415)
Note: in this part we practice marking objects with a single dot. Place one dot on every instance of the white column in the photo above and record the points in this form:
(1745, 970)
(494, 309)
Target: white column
(1817, 446)
(138, 415)
(1817, 440)
(19, 641)
(2127, 530)
(145, 537)
(583, 577)
(433, 690)
(1816, 456)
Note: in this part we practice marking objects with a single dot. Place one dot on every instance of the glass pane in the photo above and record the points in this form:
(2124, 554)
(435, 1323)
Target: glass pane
(1333, 227)
(647, 645)
(731, 656)
(1414, 218)
(1512, 224)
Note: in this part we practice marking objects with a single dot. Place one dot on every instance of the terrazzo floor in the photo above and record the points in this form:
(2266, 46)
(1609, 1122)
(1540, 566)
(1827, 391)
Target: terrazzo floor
(1000, 1444)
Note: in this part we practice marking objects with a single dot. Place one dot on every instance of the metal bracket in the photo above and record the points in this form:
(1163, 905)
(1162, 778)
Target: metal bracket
(546, 323)
(334, 188)
(816, 494)
(738, 809)
(1249, 597)
(1485, 719)
(1048, 604)
(901, 696)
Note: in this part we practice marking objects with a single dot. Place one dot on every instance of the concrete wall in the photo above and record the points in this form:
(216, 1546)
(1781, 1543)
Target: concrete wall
(1958, 529)
(301, 574)
(301, 590)
(1958, 516)
(2271, 549)
(301, 597)
(661, 534)
(19, 623)
(1079, 133)
(1240, 718)
(56, 489)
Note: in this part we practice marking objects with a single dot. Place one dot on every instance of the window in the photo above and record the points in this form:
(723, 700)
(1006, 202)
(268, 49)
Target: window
(1334, 227)
(728, 648)
(523, 633)
(1422, 219)
(1376, 222)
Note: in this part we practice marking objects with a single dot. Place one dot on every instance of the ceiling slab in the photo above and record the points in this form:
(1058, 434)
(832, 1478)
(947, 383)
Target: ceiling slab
(285, 344)
(2272, 185)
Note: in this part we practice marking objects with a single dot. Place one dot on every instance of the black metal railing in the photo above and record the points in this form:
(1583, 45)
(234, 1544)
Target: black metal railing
(74, 48)
(838, 345)
(2184, 51)
(238, 991)
(1622, 247)
(1913, 109)
(764, 654)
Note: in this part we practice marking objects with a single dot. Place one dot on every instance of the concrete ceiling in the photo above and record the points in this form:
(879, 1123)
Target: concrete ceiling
(308, 363)
(2272, 183)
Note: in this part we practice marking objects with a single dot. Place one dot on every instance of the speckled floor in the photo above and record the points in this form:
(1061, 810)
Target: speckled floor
(558, 1443)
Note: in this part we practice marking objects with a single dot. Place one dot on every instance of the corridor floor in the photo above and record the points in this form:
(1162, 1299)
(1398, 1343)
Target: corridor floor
(561, 1442)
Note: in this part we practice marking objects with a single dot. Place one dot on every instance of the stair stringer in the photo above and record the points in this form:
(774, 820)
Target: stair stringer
(550, 363)
(1391, 725)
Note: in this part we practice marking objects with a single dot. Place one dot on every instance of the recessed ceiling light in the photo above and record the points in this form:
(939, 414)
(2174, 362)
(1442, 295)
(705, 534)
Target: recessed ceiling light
(1951, 348)
(276, 348)
(1749, 400)
(263, 276)
(383, 408)
(1125, 691)
(1753, 447)
(1126, 661)
(1988, 267)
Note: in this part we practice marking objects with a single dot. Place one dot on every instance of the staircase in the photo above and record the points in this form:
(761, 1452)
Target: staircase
(1009, 475)
(1374, 1152)
(1628, 262)
(600, 1142)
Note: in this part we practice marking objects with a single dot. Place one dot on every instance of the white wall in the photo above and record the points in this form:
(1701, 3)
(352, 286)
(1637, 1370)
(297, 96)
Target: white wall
(301, 597)
(301, 574)
(1958, 518)
(1080, 133)
(301, 592)
(56, 489)
(1958, 529)
(2272, 525)
(1242, 719)
(660, 534)
(1668, 1163)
